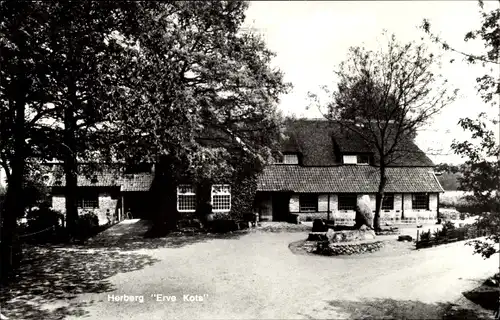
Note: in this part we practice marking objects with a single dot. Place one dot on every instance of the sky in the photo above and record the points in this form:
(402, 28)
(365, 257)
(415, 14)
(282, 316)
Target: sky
(310, 39)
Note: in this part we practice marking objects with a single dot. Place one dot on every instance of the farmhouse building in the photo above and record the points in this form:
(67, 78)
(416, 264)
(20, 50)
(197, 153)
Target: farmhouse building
(324, 170)
(322, 173)
(105, 192)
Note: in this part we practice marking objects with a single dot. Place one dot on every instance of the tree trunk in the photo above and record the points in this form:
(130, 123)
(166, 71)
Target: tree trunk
(203, 201)
(14, 204)
(379, 197)
(164, 191)
(70, 165)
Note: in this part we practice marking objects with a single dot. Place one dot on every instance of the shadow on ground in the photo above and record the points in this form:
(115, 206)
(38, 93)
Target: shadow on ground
(405, 309)
(49, 278)
(141, 234)
(486, 296)
(172, 240)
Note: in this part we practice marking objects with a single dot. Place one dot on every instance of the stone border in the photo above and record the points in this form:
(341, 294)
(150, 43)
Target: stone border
(335, 249)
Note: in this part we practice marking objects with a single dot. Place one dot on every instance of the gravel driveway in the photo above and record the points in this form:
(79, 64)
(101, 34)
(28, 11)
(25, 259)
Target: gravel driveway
(257, 276)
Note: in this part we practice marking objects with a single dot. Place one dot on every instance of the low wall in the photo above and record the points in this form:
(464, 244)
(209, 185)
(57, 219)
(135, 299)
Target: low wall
(334, 249)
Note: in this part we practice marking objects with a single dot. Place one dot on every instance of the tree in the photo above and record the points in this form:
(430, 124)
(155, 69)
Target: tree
(481, 178)
(481, 173)
(80, 53)
(51, 60)
(198, 91)
(22, 30)
(383, 97)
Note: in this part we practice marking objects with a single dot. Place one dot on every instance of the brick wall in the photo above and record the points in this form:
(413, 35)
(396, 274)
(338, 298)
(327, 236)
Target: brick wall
(294, 203)
(407, 211)
(105, 203)
(334, 202)
(59, 203)
(323, 202)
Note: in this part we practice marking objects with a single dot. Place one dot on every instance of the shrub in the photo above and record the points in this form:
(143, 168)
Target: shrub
(42, 225)
(425, 236)
(87, 225)
(448, 225)
(223, 226)
(43, 217)
(437, 234)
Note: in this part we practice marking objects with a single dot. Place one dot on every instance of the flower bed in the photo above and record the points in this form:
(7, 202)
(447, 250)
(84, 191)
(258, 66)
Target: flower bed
(334, 249)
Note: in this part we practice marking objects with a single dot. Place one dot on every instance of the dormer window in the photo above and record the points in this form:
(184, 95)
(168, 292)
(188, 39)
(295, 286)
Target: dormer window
(350, 159)
(356, 159)
(363, 159)
(289, 158)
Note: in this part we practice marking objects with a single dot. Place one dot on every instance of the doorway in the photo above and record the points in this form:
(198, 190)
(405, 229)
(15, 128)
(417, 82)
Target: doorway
(281, 209)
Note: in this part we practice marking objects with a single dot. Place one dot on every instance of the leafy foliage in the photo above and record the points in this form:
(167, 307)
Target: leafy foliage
(132, 81)
(43, 224)
(489, 33)
(198, 89)
(425, 235)
(52, 104)
(86, 225)
(481, 172)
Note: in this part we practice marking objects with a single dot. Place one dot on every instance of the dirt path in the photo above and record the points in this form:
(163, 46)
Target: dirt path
(256, 276)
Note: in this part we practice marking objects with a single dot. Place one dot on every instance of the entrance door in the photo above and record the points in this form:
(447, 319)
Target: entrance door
(280, 206)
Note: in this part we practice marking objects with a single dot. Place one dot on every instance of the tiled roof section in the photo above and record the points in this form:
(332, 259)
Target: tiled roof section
(346, 179)
(137, 182)
(318, 140)
(96, 180)
(126, 182)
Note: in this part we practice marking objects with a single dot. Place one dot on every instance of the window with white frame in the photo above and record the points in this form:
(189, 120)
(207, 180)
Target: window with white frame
(347, 201)
(290, 159)
(186, 198)
(363, 159)
(388, 202)
(356, 159)
(350, 159)
(308, 203)
(221, 198)
(87, 199)
(420, 201)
